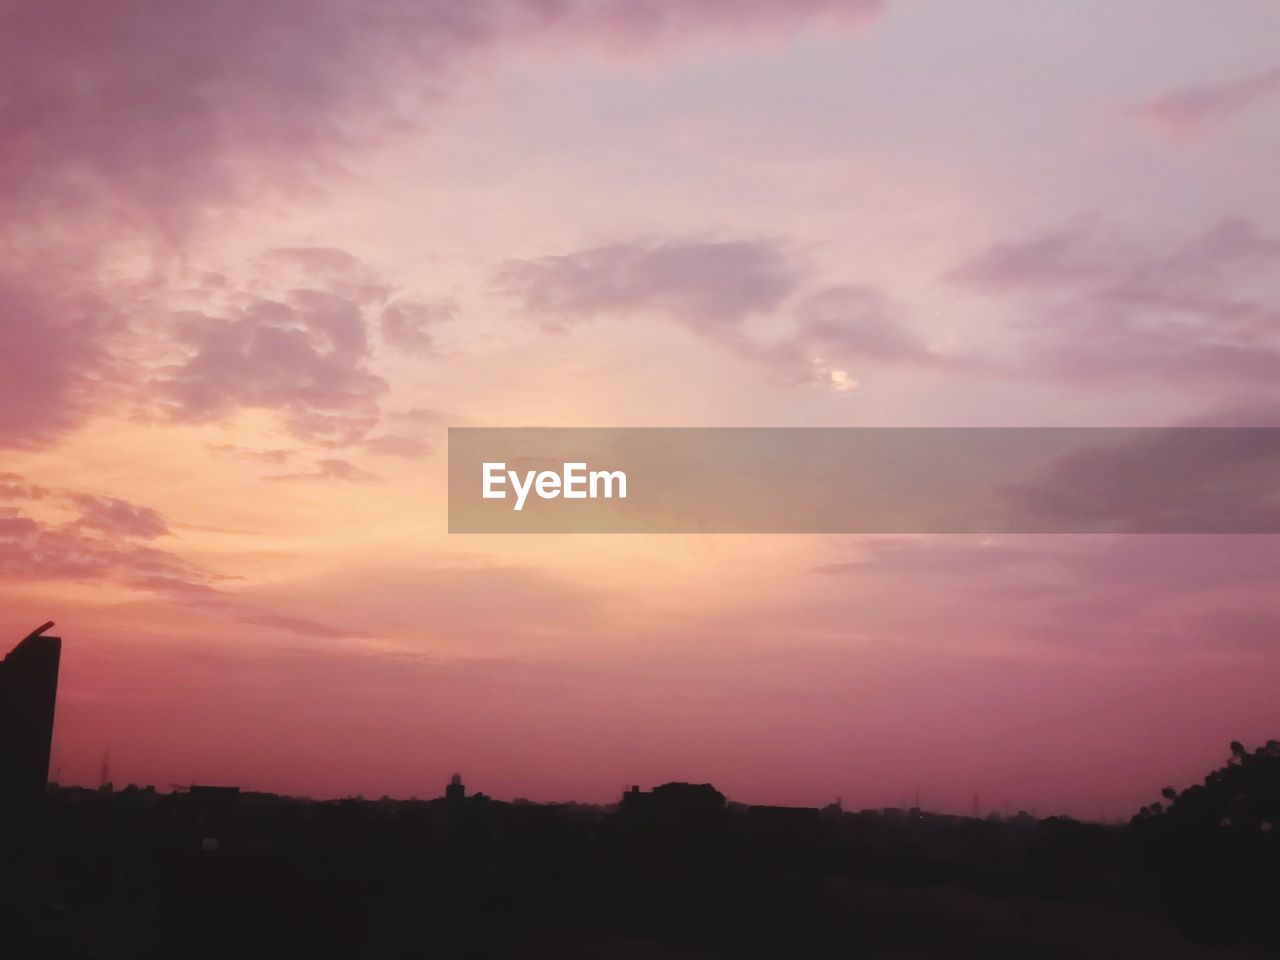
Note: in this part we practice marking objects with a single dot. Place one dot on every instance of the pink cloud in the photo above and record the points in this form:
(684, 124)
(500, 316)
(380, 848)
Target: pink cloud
(1203, 311)
(151, 110)
(54, 358)
(706, 284)
(298, 625)
(712, 287)
(120, 518)
(397, 445)
(306, 355)
(855, 325)
(14, 486)
(109, 541)
(275, 455)
(406, 324)
(1196, 110)
(331, 468)
(129, 124)
(100, 544)
(636, 26)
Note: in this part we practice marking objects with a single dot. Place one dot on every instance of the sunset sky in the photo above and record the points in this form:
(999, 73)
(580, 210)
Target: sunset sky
(256, 257)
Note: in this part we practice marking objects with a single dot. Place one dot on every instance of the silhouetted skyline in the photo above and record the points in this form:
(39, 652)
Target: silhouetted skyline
(256, 874)
(258, 257)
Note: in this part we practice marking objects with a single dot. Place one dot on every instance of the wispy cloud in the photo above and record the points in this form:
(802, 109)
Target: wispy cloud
(126, 129)
(306, 355)
(91, 538)
(713, 288)
(708, 285)
(1196, 110)
(330, 468)
(407, 325)
(1203, 311)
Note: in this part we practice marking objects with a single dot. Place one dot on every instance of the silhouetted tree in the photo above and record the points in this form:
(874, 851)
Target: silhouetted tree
(1216, 848)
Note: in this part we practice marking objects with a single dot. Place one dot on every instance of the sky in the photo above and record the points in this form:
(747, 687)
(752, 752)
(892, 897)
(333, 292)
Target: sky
(256, 258)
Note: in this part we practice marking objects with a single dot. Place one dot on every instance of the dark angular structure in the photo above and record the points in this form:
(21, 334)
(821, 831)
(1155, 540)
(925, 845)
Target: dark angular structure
(28, 690)
(673, 810)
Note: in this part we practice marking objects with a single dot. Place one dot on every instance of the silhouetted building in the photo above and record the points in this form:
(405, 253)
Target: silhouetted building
(672, 809)
(28, 690)
(455, 792)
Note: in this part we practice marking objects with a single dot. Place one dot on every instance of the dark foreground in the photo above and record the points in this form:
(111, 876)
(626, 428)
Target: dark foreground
(672, 873)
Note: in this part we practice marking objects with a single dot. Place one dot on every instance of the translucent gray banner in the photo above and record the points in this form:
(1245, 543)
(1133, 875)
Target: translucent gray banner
(864, 480)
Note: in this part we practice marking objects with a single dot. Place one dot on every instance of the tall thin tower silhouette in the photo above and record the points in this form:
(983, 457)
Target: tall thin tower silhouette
(28, 692)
